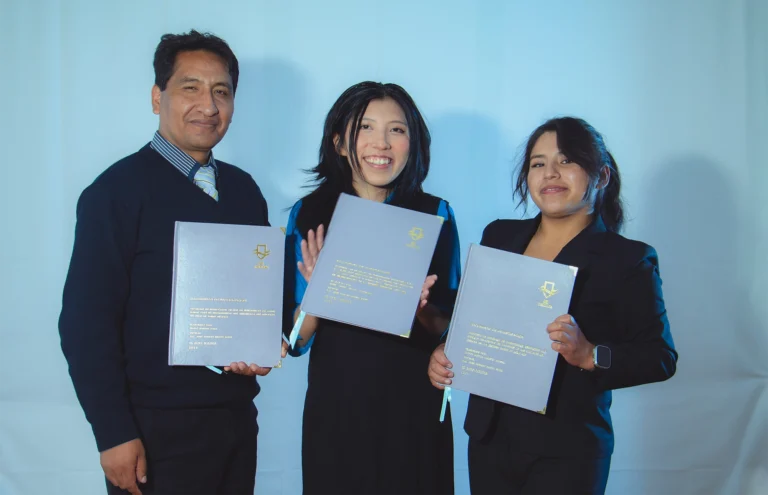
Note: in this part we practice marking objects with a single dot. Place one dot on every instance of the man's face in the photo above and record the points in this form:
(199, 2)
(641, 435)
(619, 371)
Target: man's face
(197, 105)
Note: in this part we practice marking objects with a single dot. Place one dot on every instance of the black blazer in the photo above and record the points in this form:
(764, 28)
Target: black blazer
(617, 301)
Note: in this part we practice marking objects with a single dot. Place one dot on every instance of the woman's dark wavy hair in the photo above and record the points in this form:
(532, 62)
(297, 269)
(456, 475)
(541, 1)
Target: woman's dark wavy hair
(583, 145)
(333, 175)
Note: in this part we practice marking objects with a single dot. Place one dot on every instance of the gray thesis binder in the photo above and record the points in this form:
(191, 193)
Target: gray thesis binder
(373, 265)
(227, 295)
(497, 339)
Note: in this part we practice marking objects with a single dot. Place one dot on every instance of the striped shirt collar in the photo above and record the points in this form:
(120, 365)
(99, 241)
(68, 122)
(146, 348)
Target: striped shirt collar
(182, 161)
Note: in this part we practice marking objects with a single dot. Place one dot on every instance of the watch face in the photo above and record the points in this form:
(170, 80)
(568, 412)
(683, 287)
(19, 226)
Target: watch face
(602, 357)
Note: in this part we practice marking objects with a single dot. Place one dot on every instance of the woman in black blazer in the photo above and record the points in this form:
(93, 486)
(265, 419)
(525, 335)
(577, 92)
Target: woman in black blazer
(616, 334)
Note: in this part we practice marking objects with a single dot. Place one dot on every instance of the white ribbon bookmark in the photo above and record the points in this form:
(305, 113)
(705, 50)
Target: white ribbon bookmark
(296, 327)
(446, 400)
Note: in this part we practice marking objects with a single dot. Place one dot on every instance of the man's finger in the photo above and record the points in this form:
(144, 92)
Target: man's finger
(262, 371)
(133, 489)
(244, 372)
(441, 358)
(439, 370)
(441, 376)
(439, 373)
(141, 468)
(437, 385)
(127, 481)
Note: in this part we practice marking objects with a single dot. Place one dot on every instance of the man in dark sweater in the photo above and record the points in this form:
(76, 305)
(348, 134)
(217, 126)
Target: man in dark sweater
(161, 429)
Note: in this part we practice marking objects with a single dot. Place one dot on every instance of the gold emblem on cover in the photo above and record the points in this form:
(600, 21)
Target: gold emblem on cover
(261, 252)
(416, 234)
(548, 290)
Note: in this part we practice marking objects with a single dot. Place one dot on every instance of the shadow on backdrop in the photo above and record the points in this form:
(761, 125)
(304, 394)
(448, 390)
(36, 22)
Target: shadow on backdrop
(692, 218)
(471, 171)
(270, 130)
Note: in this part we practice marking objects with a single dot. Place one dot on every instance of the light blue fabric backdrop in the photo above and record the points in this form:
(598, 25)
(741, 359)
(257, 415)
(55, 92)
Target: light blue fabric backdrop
(677, 87)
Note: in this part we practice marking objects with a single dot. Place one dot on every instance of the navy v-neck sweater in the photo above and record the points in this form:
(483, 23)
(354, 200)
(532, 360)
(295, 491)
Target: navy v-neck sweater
(114, 323)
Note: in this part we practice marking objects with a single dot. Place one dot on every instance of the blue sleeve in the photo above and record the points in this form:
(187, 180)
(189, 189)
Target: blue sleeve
(295, 239)
(453, 246)
(446, 264)
(294, 277)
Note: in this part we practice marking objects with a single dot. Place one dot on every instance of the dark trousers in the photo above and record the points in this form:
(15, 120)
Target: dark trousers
(198, 451)
(495, 469)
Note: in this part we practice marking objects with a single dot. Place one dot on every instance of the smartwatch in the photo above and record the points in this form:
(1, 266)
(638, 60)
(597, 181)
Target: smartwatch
(601, 357)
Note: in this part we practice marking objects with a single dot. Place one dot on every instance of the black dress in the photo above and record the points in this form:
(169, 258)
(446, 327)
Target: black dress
(371, 417)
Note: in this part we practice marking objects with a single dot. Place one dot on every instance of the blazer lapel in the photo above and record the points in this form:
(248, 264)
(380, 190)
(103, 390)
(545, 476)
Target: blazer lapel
(519, 242)
(576, 252)
(580, 252)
